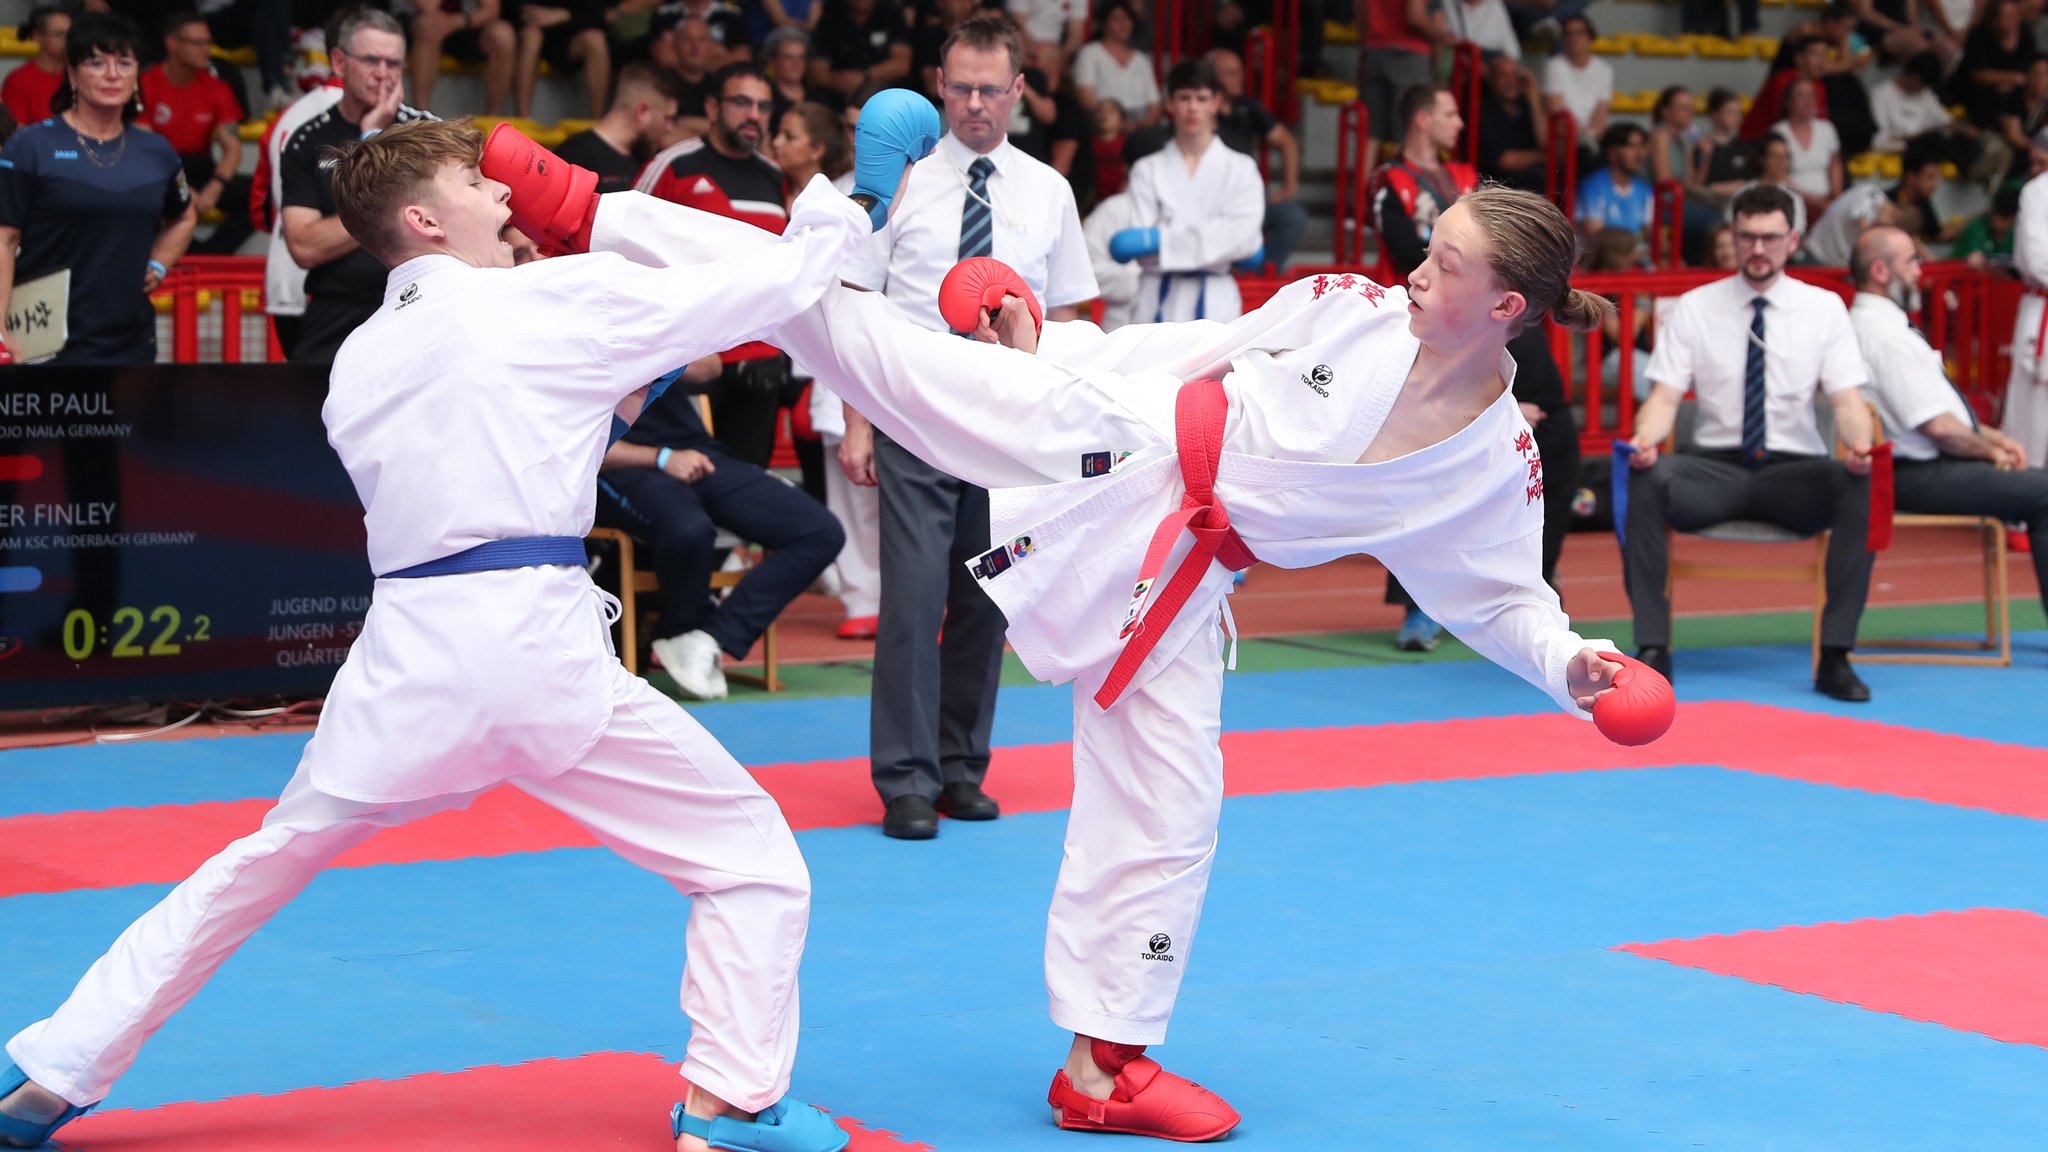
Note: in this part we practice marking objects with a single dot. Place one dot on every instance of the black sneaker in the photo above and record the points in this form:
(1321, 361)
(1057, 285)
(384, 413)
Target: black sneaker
(966, 801)
(910, 818)
(1835, 677)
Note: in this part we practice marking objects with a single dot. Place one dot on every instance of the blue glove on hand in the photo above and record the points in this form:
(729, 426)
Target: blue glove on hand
(1253, 262)
(897, 127)
(1132, 243)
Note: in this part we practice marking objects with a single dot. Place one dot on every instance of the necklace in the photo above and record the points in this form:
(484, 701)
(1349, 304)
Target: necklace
(92, 155)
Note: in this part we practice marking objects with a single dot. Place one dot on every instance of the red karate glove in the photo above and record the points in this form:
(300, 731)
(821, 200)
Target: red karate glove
(1639, 707)
(553, 201)
(979, 284)
(6, 352)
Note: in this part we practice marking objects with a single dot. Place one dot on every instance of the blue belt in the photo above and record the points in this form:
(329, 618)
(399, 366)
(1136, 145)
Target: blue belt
(1166, 280)
(491, 555)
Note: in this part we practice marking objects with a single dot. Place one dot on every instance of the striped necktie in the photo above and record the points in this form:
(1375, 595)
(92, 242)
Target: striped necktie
(976, 229)
(1753, 392)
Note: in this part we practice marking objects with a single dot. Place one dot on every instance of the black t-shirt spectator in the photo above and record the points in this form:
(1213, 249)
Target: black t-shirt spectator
(691, 94)
(1982, 50)
(307, 184)
(925, 43)
(1243, 123)
(671, 422)
(847, 45)
(96, 211)
(1036, 137)
(615, 170)
(727, 23)
(1504, 127)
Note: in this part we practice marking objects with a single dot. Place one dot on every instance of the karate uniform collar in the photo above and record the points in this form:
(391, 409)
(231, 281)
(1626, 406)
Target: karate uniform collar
(408, 274)
(961, 157)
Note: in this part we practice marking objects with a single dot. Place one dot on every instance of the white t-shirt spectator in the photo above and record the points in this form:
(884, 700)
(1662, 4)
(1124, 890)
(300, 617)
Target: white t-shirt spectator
(1908, 381)
(1582, 89)
(1485, 23)
(1834, 235)
(1046, 20)
(1901, 116)
(1131, 85)
(1811, 164)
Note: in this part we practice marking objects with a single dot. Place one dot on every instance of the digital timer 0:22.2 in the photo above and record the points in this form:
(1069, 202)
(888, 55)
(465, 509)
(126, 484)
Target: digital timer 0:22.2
(82, 634)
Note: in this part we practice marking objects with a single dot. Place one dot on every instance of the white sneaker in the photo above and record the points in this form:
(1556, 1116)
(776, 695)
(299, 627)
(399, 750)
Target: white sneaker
(828, 582)
(692, 661)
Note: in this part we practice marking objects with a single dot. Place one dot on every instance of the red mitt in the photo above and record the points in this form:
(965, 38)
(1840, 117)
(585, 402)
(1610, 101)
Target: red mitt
(978, 284)
(1639, 707)
(553, 201)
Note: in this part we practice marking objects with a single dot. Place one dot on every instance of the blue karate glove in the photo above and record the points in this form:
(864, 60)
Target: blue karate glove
(897, 127)
(1132, 243)
(1253, 262)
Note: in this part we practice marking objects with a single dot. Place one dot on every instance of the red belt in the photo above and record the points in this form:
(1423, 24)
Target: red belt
(1199, 412)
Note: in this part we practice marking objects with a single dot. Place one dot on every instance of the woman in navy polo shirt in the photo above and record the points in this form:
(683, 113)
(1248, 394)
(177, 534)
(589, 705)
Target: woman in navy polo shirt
(86, 191)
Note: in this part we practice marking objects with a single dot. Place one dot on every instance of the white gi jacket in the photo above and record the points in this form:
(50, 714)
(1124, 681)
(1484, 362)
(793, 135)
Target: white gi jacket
(474, 406)
(2026, 394)
(1208, 220)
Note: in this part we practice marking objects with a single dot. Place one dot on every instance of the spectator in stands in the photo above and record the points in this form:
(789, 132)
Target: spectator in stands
(1853, 213)
(1815, 150)
(1710, 17)
(785, 59)
(1514, 136)
(939, 19)
(1894, 26)
(1913, 195)
(1905, 110)
(88, 192)
(1672, 160)
(642, 111)
(1617, 196)
(860, 42)
(472, 32)
(1397, 43)
(1771, 160)
(1986, 241)
(1200, 206)
(1049, 125)
(724, 20)
(672, 486)
(1059, 22)
(1111, 68)
(811, 139)
(27, 90)
(284, 282)
(687, 51)
(1245, 124)
(1721, 157)
(1485, 23)
(801, 15)
(189, 106)
(1945, 463)
(1847, 99)
(2021, 118)
(1993, 71)
(1582, 84)
(1721, 248)
(1807, 56)
(570, 37)
(344, 284)
(939, 652)
(1109, 172)
(1619, 250)
(8, 125)
(266, 26)
(1754, 348)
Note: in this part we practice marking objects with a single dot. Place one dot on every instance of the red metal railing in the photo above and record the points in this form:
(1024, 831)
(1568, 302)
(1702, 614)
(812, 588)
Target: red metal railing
(1258, 84)
(1467, 67)
(1286, 60)
(1667, 224)
(217, 289)
(1561, 180)
(1354, 171)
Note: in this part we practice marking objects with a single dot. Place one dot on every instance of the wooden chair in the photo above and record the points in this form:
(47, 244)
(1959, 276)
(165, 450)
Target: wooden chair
(634, 581)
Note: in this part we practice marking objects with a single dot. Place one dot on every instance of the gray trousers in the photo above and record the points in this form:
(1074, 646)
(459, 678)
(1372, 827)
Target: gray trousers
(1950, 487)
(939, 643)
(1694, 490)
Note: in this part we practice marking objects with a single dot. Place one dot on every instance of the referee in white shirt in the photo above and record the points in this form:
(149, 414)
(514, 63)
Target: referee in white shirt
(939, 643)
(1945, 463)
(1752, 348)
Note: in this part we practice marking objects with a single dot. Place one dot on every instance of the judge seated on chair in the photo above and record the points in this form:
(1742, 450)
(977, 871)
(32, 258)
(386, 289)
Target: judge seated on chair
(1945, 462)
(1754, 348)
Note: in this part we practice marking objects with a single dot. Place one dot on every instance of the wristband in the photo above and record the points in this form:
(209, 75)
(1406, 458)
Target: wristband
(661, 458)
(371, 132)
(157, 266)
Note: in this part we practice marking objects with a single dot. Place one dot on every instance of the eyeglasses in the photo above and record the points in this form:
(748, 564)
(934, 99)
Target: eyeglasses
(744, 103)
(118, 65)
(1761, 239)
(989, 93)
(390, 63)
(195, 41)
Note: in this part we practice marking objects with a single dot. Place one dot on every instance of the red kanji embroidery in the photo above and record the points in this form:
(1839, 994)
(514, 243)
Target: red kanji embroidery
(1347, 281)
(1322, 285)
(1535, 469)
(1535, 491)
(1524, 443)
(1371, 291)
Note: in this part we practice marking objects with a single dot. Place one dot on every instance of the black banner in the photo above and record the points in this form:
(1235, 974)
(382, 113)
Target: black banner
(173, 532)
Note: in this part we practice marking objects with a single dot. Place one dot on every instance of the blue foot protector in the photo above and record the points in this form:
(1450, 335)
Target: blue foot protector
(788, 1125)
(23, 1133)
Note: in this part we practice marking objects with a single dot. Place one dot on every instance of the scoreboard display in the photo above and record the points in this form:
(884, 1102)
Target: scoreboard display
(172, 532)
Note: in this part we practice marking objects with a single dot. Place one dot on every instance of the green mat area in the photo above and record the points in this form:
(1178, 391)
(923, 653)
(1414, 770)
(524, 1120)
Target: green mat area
(1350, 649)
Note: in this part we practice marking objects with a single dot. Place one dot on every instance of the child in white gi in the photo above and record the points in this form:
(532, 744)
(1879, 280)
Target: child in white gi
(471, 411)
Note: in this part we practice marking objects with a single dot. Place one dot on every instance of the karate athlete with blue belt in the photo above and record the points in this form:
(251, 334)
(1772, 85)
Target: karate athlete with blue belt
(471, 411)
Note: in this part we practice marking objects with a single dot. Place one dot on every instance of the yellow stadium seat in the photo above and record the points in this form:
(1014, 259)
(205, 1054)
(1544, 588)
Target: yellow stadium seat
(1949, 171)
(1648, 45)
(570, 127)
(241, 57)
(1611, 46)
(1862, 166)
(1717, 48)
(1890, 166)
(12, 45)
(1335, 33)
(1633, 103)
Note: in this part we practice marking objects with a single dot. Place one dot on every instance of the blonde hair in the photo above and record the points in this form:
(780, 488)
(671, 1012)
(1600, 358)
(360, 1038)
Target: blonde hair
(375, 179)
(1532, 251)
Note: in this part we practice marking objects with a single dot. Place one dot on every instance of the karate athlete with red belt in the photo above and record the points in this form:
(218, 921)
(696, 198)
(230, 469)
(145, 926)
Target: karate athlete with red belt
(1341, 417)
(470, 411)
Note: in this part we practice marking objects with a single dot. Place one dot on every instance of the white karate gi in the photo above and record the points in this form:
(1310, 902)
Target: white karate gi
(1208, 220)
(1117, 282)
(2026, 390)
(1311, 376)
(859, 508)
(473, 406)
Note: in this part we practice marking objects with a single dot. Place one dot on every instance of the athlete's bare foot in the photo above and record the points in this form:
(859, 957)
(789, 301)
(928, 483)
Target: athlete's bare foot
(1085, 1073)
(703, 1104)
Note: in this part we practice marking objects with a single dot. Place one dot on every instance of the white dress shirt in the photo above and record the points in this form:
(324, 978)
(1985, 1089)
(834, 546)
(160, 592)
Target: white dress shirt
(1908, 381)
(1036, 230)
(1703, 346)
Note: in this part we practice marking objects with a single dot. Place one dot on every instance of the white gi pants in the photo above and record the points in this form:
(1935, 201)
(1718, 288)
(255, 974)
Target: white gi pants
(656, 788)
(860, 512)
(2026, 395)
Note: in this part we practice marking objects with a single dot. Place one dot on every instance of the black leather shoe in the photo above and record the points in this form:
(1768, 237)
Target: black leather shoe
(1656, 657)
(910, 818)
(1837, 679)
(964, 801)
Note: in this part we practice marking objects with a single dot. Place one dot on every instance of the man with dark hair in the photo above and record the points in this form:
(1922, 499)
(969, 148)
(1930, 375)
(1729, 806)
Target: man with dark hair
(1513, 137)
(1945, 462)
(1754, 348)
(188, 105)
(1244, 123)
(723, 21)
(27, 90)
(643, 109)
(939, 642)
(344, 284)
(689, 55)
(1617, 196)
(1200, 207)
(858, 43)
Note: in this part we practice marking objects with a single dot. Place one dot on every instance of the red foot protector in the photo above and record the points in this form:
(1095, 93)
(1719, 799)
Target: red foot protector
(606, 1100)
(978, 284)
(1976, 971)
(1148, 1100)
(1639, 707)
